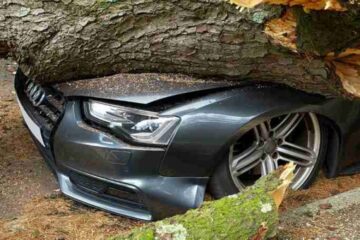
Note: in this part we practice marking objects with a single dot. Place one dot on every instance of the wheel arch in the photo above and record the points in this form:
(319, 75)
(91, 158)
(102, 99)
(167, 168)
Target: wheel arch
(334, 143)
(331, 162)
(228, 118)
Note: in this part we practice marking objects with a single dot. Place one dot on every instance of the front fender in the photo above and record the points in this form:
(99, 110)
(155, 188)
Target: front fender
(209, 125)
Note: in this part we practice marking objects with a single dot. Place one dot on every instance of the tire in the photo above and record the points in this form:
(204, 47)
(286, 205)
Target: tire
(222, 182)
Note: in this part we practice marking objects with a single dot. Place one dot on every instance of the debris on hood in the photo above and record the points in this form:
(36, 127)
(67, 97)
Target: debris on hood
(141, 88)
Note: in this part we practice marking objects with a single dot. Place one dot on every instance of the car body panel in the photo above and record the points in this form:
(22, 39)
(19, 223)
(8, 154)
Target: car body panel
(166, 180)
(82, 148)
(210, 128)
(79, 146)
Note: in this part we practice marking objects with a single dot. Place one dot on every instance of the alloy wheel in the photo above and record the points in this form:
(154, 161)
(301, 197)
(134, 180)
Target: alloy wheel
(294, 137)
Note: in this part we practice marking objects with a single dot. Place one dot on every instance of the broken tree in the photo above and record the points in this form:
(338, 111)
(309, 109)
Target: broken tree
(251, 214)
(309, 45)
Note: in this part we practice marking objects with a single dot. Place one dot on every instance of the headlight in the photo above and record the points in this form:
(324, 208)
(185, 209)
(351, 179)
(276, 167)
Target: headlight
(138, 125)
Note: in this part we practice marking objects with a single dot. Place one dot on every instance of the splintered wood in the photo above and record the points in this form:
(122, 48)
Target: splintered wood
(307, 4)
(282, 31)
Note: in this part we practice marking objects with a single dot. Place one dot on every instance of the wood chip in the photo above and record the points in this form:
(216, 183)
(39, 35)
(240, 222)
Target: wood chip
(325, 206)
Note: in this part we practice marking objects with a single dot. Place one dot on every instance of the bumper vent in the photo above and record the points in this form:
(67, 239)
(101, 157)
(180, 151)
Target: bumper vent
(46, 102)
(121, 194)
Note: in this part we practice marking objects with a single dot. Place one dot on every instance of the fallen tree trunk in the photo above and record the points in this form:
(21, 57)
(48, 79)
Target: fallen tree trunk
(251, 214)
(67, 40)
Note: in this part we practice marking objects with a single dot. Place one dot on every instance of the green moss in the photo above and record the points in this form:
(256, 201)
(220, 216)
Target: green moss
(265, 12)
(104, 4)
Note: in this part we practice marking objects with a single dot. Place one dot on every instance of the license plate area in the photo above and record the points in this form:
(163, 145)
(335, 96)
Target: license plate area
(33, 127)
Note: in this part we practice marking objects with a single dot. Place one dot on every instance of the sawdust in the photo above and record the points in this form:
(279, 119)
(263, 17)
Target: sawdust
(322, 188)
(54, 217)
(141, 85)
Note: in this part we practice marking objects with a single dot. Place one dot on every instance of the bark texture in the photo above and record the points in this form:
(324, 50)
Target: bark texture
(63, 40)
(323, 32)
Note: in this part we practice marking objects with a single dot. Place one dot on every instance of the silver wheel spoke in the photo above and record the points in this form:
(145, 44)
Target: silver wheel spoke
(263, 130)
(287, 126)
(268, 165)
(294, 153)
(246, 162)
(257, 135)
(246, 154)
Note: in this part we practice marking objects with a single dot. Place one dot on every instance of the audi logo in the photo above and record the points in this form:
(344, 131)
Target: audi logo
(35, 93)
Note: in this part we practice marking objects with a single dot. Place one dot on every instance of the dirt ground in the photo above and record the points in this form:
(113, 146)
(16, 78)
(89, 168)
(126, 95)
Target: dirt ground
(23, 174)
(32, 208)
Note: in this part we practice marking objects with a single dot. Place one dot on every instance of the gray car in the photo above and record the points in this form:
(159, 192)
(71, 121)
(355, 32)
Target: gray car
(148, 148)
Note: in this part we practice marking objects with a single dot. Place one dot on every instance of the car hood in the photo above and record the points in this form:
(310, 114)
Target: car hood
(139, 88)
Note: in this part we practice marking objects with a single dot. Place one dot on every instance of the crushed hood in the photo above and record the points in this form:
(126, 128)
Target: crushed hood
(139, 88)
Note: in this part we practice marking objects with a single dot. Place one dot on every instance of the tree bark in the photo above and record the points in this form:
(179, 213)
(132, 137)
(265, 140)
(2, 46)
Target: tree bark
(56, 41)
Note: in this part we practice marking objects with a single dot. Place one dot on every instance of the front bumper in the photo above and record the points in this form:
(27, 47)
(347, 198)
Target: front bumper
(104, 172)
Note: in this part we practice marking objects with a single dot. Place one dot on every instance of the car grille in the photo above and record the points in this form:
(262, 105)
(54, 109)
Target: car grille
(47, 103)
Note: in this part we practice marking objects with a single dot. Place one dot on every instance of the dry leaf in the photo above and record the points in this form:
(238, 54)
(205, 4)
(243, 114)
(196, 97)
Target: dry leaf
(261, 233)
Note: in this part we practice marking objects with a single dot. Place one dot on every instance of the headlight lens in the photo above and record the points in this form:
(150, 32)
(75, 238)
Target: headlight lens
(140, 126)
